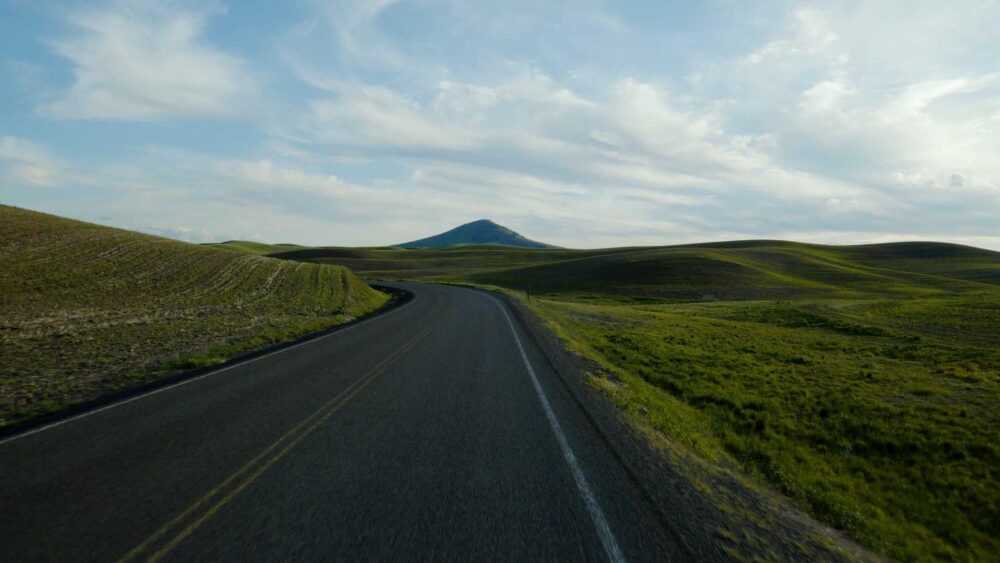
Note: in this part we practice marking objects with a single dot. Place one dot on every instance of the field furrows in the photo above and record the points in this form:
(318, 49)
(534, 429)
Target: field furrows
(87, 309)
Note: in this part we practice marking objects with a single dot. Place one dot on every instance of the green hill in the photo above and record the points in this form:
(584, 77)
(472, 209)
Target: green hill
(763, 269)
(730, 270)
(483, 231)
(395, 263)
(88, 309)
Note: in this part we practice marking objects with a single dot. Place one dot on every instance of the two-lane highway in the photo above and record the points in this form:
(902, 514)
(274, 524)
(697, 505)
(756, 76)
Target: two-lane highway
(433, 432)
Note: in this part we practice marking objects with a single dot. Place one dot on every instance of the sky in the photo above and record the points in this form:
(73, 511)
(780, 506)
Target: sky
(580, 123)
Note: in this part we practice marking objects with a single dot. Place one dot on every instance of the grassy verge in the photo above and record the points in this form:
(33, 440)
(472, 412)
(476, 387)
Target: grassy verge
(878, 416)
(88, 310)
(277, 334)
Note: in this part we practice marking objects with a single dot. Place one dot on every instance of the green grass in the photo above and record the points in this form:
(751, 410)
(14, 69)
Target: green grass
(88, 310)
(880, 417)
(765, 270)
(396, 263)
(861, 381)
(735, 270)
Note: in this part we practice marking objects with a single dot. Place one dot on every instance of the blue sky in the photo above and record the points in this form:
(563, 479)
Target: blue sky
(580, 123)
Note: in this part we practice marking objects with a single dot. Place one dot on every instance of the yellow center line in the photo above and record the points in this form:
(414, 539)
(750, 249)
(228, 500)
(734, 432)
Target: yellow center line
(307, 426)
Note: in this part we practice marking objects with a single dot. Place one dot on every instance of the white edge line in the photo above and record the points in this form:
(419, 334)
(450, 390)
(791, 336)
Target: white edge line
(199, 377)
(596, 514)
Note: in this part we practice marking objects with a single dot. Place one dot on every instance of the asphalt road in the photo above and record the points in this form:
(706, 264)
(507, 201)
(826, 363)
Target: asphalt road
(433, 432)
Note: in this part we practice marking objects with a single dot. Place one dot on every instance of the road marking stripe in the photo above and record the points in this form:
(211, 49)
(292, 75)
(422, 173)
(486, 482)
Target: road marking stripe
(321, 414)
(596, 514)
(197, 378)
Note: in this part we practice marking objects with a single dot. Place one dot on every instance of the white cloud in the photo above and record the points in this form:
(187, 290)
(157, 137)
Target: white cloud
(140, 59)
(592, 127)
(798, 129)
(535, 132)
(29, 163)
(920, 135)
(378, 117)
(880, 96)
(811, 35)
(825, 98)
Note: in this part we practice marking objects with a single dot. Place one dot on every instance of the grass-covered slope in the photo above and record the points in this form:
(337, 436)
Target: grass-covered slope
(756, 270)
(395, 263)
(86, 309)
(733, 270)
(880, 416)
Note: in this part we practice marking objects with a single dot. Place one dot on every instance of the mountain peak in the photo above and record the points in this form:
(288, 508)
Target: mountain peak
(483, 231)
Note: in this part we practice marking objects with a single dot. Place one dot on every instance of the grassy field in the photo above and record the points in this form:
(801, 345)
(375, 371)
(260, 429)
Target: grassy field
(881, 417)
(861, 381)
(397, 263)
(86, 310)
(765, 270)
(736, 270)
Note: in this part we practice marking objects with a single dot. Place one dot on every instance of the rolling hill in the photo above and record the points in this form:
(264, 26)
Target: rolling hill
(762, 269)
(732, 270)
(478, 232)
(88, 309)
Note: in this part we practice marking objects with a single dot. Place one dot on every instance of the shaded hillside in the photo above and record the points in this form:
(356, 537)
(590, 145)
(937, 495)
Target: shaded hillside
(477, 232)
(762, 270)
(395, 263)
(88, 309)
(731, 270)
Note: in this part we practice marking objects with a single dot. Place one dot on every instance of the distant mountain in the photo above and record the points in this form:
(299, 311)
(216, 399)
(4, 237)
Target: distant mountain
(477, 232)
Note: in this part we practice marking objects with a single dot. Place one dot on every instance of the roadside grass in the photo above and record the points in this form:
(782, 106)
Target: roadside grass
(86, 310)
(277, 333)
(880, 417)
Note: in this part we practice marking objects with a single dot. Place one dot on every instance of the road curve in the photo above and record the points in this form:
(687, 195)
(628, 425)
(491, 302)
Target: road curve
(434, 432)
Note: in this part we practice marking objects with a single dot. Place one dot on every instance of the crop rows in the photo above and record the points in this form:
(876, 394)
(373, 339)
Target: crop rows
(85, 309)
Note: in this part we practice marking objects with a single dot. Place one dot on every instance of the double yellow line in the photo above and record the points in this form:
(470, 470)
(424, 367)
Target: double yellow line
(157, 544)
